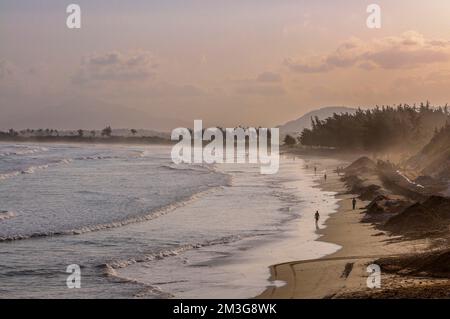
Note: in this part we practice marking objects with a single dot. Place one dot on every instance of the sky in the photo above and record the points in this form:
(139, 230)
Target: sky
(162, 64)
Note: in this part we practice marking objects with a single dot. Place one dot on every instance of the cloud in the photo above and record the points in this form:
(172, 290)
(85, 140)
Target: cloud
(117, 66)
(409, 50)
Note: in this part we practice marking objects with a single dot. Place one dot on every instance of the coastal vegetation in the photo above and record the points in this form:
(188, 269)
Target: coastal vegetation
(79, 136)
(404, 127)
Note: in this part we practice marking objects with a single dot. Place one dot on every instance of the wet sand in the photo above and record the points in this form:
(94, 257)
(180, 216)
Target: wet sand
(345, 271)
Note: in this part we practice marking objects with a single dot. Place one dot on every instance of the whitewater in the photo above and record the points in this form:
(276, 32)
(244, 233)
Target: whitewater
(140, 226)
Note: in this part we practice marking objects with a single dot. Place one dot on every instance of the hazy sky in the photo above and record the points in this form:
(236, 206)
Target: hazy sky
(255, 62)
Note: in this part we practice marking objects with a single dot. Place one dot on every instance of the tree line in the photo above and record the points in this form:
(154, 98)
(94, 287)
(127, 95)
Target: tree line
(405, 127)
(106, 132)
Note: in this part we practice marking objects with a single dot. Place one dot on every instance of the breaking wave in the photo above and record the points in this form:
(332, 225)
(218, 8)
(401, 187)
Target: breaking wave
(153, 214)
(26, 151)
(151, 290)
(6, 215)
(9, 175)
(33, 169)
(110, 269)
(173, 252)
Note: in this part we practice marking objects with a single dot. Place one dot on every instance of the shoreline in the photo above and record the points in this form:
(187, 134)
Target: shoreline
(344, 271)
(302, 264)
(244, 264)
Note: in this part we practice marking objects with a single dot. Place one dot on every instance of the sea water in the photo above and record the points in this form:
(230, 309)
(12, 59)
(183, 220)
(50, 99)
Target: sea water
(140, 226)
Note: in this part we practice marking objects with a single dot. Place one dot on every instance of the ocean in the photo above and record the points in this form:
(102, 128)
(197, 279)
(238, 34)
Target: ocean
(140, 226)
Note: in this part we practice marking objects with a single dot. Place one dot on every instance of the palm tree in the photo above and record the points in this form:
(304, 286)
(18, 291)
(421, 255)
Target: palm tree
(107, 131)
(289, 140)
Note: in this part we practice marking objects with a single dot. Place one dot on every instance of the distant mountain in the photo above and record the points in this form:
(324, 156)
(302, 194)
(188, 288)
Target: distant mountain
(296, 127)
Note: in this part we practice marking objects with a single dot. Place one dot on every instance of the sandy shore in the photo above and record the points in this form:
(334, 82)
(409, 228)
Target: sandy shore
(345, 271)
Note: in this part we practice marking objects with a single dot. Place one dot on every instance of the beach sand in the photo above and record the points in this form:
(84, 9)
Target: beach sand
(345, 271)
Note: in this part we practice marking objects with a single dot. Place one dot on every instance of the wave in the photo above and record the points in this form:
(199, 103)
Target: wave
(9, 175)
(33, 169)
(151, 290)
(153, 214)
(142, 153)
(6, 215)
(28, 151)
(189, 167)
(66, 161)
(174, 251)
(110, 269)
(93, 158)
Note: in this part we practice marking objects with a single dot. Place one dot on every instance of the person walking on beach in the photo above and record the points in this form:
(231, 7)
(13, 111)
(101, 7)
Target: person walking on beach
(354, 203)
(316, 217)
(325, 176)
(315, 170)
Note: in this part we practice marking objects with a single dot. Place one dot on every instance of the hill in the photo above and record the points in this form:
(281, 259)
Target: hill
(295, 127)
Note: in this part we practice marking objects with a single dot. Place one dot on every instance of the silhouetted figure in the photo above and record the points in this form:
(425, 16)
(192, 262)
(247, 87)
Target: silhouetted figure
(325, 176)
(316, 217)
(354, 203)
(315, 170)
